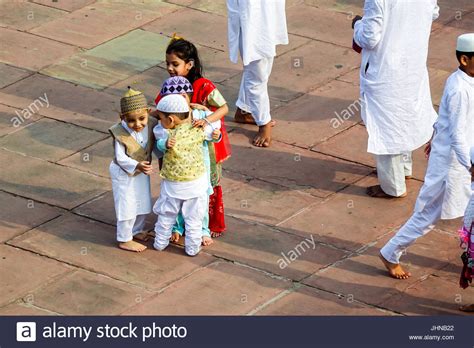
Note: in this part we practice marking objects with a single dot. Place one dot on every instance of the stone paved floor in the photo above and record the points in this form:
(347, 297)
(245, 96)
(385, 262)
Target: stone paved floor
(64, 65)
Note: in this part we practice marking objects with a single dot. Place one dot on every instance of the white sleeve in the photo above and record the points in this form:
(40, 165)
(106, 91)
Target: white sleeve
(126, 163)
(368, 31)
(458, 124)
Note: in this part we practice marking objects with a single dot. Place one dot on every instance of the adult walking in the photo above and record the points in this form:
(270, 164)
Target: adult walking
(255, 28)
(397, 108)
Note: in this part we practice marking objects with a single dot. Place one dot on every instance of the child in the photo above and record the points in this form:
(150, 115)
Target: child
(467, 240)
(131, 167)
(184, 180)
(182, 59)
(447, 187)
(180, 85)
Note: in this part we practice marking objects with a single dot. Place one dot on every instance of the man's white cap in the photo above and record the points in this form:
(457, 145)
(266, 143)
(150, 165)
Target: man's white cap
(466, 43)
(173, 103)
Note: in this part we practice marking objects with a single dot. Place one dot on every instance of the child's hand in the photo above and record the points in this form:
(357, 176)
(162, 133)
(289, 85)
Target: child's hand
(198, 106)
(145, 167)
(355, 20)
(170, 143)
(199, 123)
(216, 134)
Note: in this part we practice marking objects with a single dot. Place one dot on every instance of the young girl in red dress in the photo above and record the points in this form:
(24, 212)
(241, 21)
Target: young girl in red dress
(182, 59)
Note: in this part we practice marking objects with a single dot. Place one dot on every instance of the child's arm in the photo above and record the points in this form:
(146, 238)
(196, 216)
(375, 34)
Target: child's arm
(458, 125)
(129, 164)
(216, 99)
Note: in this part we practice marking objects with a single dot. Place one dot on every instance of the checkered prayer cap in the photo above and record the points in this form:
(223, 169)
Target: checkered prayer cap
(173, 103)
(132, 101)
(176, 85)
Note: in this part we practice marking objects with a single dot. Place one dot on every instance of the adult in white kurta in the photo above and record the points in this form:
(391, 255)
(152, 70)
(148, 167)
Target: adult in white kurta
(397, 107)
(255, 28)
(132, 194)
(447, 188)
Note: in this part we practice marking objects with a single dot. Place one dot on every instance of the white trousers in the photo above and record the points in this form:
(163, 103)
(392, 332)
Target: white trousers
(126, 229)
(420, 223)
(167, 208)
(391, 172)
(253, 94)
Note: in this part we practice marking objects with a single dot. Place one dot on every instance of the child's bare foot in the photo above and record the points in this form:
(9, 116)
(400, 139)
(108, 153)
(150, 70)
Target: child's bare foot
(264, 136)
(247, 118)
(175, 237)
(467, 308)
(206, 241)
(377, 192)
(132, 246)
(394, 269)
(216, 234)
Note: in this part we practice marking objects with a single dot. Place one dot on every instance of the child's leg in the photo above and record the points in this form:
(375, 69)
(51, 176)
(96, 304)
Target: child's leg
(206, 232)
(138, 233)
(193, 211)
(216, 213)
(125, 236)
(167, 208)
(178, 228)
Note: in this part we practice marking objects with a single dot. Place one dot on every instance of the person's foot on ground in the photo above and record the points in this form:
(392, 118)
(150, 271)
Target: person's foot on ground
(132, 246)
(394, 269)
(247, 118)
(216, 234)
(377, 192)
(467, 308)
(206, 241)
(175, 237)
(264, 136)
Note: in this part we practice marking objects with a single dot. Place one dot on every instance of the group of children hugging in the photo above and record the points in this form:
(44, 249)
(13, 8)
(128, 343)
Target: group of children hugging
(188, 136)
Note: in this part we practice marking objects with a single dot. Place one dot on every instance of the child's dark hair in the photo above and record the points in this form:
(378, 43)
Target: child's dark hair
(180, 115)
(467, 54)
(186, 51)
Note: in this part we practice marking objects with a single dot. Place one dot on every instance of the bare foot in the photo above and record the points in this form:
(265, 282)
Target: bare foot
(467, 308)
(206, 241)
(394, 269)
(264, 136)
(377, 192)
(132, 246)
(247, 118)
(175, 237)
(216, 234)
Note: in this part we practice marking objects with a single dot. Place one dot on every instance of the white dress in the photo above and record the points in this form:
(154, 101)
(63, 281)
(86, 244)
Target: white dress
(397, 107)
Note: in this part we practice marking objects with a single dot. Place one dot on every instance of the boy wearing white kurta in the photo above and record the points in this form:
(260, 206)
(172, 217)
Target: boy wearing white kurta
(397, 108)
(184, 184)
(255, 28)
(447, 187)
(130, 169)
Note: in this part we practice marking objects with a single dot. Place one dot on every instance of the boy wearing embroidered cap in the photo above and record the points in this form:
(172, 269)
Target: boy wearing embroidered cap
(447, 188)
(131, 167)
(184, 181)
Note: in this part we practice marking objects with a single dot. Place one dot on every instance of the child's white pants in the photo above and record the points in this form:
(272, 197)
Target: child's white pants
(391, 172)
(253, 94)
(126, 229)
(167, 209)
(420, 223)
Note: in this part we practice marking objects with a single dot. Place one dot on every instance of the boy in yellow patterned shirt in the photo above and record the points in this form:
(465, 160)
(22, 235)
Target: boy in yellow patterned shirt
(184, 181)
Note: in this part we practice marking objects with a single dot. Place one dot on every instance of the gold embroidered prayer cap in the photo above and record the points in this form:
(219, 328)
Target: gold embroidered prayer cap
(466, 43)
(132, 101)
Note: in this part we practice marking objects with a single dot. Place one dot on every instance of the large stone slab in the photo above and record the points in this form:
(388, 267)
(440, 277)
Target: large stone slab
(349, 7)
(272, 250)
(67, 102)
(25, 16)
(85, 27)
(86, 293)
(352, 219)
(290, 167)
(363, 277)
(11, 119)
(34, 53)
(50, 140)
(65, 5)
(223, 288)
(318, 115)
(47, 182)
(111, 62)
(19, 215)
(306, 301)
(22, 272)
(10, 74)
(92, 245)
(23, 309)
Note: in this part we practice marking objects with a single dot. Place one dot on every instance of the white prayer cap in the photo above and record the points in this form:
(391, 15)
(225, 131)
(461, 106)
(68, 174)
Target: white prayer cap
(173, 103)
(466, 43)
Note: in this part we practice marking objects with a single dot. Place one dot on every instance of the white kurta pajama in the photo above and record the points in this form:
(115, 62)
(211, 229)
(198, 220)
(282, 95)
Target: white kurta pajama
(447, 188)
(397, 107)
(255, 28)
(132, 194)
